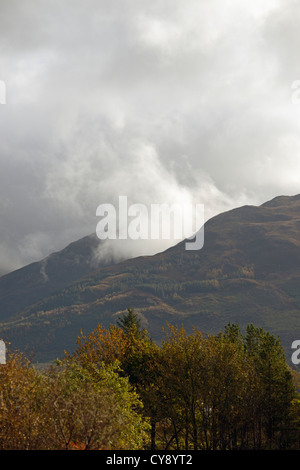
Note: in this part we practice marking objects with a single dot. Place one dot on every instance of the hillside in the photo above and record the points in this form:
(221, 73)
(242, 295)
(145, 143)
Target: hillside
(247, 272)
(38, 280)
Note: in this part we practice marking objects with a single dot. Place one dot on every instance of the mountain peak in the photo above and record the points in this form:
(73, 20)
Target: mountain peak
(281, 201)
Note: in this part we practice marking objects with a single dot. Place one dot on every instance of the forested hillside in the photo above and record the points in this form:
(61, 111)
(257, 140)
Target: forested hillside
(248, 271)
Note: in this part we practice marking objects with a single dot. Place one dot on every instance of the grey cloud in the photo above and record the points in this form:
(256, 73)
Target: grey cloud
(156, 100)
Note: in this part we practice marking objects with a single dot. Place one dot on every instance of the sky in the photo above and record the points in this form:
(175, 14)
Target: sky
(161, 101)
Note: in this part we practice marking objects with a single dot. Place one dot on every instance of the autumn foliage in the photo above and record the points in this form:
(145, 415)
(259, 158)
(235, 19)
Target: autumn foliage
(121, 390)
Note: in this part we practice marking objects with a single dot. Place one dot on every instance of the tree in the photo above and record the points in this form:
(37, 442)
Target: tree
(22, 396)
(225, 375)
(94, 410)
(68, 406)
(130, 323)
(272, 387)
(140, 366)
(180, 386)
(102, 345)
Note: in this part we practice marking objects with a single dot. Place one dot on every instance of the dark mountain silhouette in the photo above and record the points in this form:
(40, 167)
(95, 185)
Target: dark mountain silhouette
(247, 272)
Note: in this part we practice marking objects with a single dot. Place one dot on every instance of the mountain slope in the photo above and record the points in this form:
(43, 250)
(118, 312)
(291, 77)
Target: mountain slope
(35, 281)
(247, 272)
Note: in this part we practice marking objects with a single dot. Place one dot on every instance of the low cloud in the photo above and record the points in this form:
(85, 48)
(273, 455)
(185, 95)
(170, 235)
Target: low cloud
(159, 101)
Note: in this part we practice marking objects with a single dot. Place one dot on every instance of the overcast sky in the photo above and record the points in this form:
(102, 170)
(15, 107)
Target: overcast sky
(161, 100)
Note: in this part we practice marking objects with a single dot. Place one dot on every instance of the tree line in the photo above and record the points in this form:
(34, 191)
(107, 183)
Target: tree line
(121, 390)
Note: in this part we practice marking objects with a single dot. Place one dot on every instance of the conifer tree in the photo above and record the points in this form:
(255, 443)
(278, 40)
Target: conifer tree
(130, 323)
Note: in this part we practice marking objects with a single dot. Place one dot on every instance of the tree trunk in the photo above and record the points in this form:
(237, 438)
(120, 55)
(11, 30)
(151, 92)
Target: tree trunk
(153, 434)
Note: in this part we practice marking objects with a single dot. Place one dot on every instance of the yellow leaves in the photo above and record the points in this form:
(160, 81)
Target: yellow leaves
(68, 406)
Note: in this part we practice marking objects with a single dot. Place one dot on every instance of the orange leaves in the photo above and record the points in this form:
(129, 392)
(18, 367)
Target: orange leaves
(101, 345)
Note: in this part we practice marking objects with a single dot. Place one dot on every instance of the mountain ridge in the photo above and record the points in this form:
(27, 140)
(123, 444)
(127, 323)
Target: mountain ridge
(248, 271)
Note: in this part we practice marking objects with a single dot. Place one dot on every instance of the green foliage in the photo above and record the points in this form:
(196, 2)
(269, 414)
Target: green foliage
(95, 408)
(218, 393)
(130, 323)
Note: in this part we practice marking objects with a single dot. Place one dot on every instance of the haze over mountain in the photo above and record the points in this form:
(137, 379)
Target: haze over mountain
(247, 272)
(160, 100)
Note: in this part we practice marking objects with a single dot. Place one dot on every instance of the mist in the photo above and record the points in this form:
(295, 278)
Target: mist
(162, 102)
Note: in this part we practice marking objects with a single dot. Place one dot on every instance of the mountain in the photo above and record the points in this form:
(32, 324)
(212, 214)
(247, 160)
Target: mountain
(248, 271)
(31, 283)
